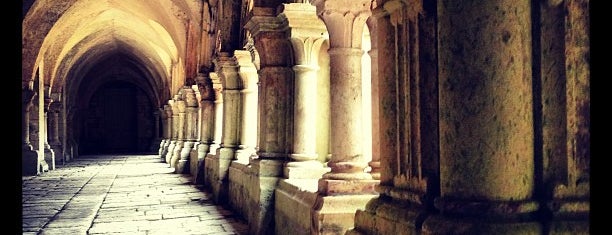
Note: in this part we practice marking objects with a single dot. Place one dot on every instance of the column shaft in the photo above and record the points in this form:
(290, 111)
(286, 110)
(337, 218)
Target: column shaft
(347, 161)
(248, 94)
(305, 111)
(49, 154)
(486, 118)
(180, 133)
(190, 130)
(29, 157)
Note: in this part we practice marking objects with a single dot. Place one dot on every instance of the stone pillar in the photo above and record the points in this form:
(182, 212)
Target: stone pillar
(348, 186)
(173, 128)
(166, 114)
(157, 138)
(486, 120)
(218, 127)
(306, 37)
(248, 94)
(270, 37)
(53, 131)
(161, 114)
(564, 48)
(29, 157)
(209, 177)
(376, 143)
(227, 68)
(405, 118)
(179, 110)
(207, 122)
(44, 134)
(190, 130)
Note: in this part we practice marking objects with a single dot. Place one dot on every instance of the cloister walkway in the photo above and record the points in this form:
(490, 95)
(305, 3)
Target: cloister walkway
(121, 194)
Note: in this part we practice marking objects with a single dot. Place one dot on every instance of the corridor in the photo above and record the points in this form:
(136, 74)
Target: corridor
(120, 194)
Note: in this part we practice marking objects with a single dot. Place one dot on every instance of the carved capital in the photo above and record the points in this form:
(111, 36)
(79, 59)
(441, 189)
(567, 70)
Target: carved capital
(399, 10)
(344, 20)
(167, 111)
(189, 97)
(265, 20)
(205, 86)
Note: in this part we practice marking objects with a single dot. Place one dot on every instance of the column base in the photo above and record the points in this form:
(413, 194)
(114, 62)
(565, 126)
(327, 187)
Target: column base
(162, 148)
(42, 164)
(29, 162)
(570, 209)
(169, 151)
(293, 203)
(386, 215)
(217, 168)
(176, 154)
(331, 187)
(444, 225)
(305, 170)
(483, 217)
(336, 214)
(50, 157)
(183, 164)
(266, 174)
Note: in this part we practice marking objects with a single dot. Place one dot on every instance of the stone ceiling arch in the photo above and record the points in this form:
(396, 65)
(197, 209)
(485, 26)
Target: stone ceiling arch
(52, 29)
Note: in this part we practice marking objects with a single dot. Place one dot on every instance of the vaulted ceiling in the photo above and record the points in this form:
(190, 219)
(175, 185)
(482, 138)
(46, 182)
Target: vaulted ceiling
(76, 44)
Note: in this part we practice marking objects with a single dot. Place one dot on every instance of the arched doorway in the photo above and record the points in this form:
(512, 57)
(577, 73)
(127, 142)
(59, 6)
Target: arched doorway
(117, 119)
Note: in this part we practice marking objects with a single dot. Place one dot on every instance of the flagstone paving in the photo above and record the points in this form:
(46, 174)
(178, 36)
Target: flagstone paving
(121, 194)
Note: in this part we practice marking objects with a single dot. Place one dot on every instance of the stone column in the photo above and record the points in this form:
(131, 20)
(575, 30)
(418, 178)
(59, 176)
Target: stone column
(166, 114)
(376, 143)
(227, 68)
(29, 157)
(157, 138)
(564, 48)
(178, 111)
(306, 36)
(209, 176)
(207, 122)
(486, 120)
(218, 127)
(270, 37)
(190, 130)
(228, 72)
(348, 186)
(44, 134)
(53, 125)
(248, 94)
(173, 128)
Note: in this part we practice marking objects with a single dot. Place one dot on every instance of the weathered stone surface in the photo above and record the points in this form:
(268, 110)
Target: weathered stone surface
(147, 201)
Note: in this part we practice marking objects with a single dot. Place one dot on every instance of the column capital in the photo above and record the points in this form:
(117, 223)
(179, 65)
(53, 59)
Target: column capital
(344, 20)
(168, 110)
(399, 10)
(302, 20)
(189, 97)
(205, 86)
(265, 20)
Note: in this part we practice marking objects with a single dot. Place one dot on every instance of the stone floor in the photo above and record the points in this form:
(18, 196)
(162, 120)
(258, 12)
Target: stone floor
(121, 194)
